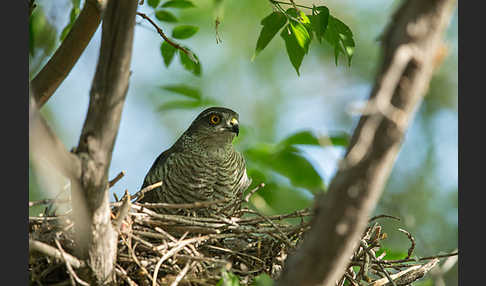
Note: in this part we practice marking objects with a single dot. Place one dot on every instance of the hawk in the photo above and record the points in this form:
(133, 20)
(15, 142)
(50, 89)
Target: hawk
(201, 166)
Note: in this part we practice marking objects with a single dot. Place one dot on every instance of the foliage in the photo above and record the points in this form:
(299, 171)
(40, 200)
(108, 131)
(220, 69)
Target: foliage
(300, 31)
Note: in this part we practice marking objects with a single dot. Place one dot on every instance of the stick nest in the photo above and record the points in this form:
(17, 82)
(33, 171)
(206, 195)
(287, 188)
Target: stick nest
(185, 250)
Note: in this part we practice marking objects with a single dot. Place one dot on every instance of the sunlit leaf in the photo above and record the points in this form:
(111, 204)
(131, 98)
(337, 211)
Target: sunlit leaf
(153, 3)
(301, 35)
(183, 89)
(178, 4)
(168, 52)
(294, 50)
(189, 64)
(166, 16)
(184, 31)
(271, 25)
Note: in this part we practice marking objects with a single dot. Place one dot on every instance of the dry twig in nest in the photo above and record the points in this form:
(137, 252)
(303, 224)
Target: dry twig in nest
(160, 249)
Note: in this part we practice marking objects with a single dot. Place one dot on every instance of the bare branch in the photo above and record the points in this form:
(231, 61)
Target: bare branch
(35, 245)
(408, 275)
(410, 44)
(60, 64)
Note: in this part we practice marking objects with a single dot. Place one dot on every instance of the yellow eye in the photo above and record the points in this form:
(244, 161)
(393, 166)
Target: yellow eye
(214, 119)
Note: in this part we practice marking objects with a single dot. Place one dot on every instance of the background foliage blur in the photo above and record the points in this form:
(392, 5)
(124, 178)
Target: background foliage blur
(277, 109)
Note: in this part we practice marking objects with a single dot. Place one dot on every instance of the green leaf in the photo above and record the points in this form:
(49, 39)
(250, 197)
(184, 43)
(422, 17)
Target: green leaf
(340, 139)
(168, 52)
(178, 4)
(319, 20)
(303, 137)
(294, 50)
(340, 37)
(184, 31)
(183, 90)
(263, 280)
(166, 16)
(301, 35)
(288, 162)
(72, 18)
(228, 279)
(189, 63)
(271, 25)
(153, 3)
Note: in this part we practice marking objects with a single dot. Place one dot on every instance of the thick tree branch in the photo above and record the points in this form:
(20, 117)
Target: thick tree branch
(413, 38)
(95, 147)
(45, 147)
(60, 64)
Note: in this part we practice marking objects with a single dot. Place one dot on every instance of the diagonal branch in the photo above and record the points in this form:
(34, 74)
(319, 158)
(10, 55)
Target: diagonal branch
(60, 64)
(413, 38)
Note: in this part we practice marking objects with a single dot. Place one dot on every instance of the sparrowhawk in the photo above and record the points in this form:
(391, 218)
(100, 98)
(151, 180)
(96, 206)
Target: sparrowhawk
(202, 165)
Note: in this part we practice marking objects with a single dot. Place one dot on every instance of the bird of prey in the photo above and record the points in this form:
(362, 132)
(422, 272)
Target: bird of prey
(202, 165)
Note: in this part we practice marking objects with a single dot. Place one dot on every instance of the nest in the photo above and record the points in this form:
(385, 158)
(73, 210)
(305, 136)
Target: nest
(185, 250)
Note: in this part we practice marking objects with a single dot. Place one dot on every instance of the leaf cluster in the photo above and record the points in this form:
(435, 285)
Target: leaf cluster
(298, 29)
(189, 61)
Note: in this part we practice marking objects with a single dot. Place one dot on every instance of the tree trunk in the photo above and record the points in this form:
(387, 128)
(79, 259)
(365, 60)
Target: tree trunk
(409, 47)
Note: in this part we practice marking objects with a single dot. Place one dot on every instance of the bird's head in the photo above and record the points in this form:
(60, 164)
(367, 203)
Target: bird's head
(215, 126)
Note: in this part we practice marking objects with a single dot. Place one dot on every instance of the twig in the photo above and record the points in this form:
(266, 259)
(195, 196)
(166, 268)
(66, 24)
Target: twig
(169, 41)
(120, 271)
(139, 195)
(407, 276)
(412, 241)
(419, 259)
(182, 274)
(122, 212)
(194, 205)
(116, 179)
(53, 252)
(47, 202)
(382, 216)
(250, 193)
(72, 274)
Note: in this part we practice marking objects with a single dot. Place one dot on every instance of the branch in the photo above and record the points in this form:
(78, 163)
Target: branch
(169, 41)
(35, 245)
(96, 143)
(45, 146)
(412, 39)
(60, 64)
(408, 275)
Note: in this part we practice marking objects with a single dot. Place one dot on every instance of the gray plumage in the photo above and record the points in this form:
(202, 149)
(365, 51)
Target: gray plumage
(202, 165)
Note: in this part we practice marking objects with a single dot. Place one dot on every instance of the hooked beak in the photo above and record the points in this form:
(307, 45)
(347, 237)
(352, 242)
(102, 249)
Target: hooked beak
(234, 126)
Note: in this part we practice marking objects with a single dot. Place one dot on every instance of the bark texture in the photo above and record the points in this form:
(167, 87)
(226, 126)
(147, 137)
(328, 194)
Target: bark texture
(95, 147)
(411, 41)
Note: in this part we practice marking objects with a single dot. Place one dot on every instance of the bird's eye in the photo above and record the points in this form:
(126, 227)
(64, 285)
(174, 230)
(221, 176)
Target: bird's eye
(214, 119)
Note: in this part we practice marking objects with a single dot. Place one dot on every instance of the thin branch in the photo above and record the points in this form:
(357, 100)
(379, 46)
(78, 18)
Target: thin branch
(35, 245)
(167, 39)
(412, 242)
(116, 179)
(72, 274)
(250, 193)
(60, 64)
